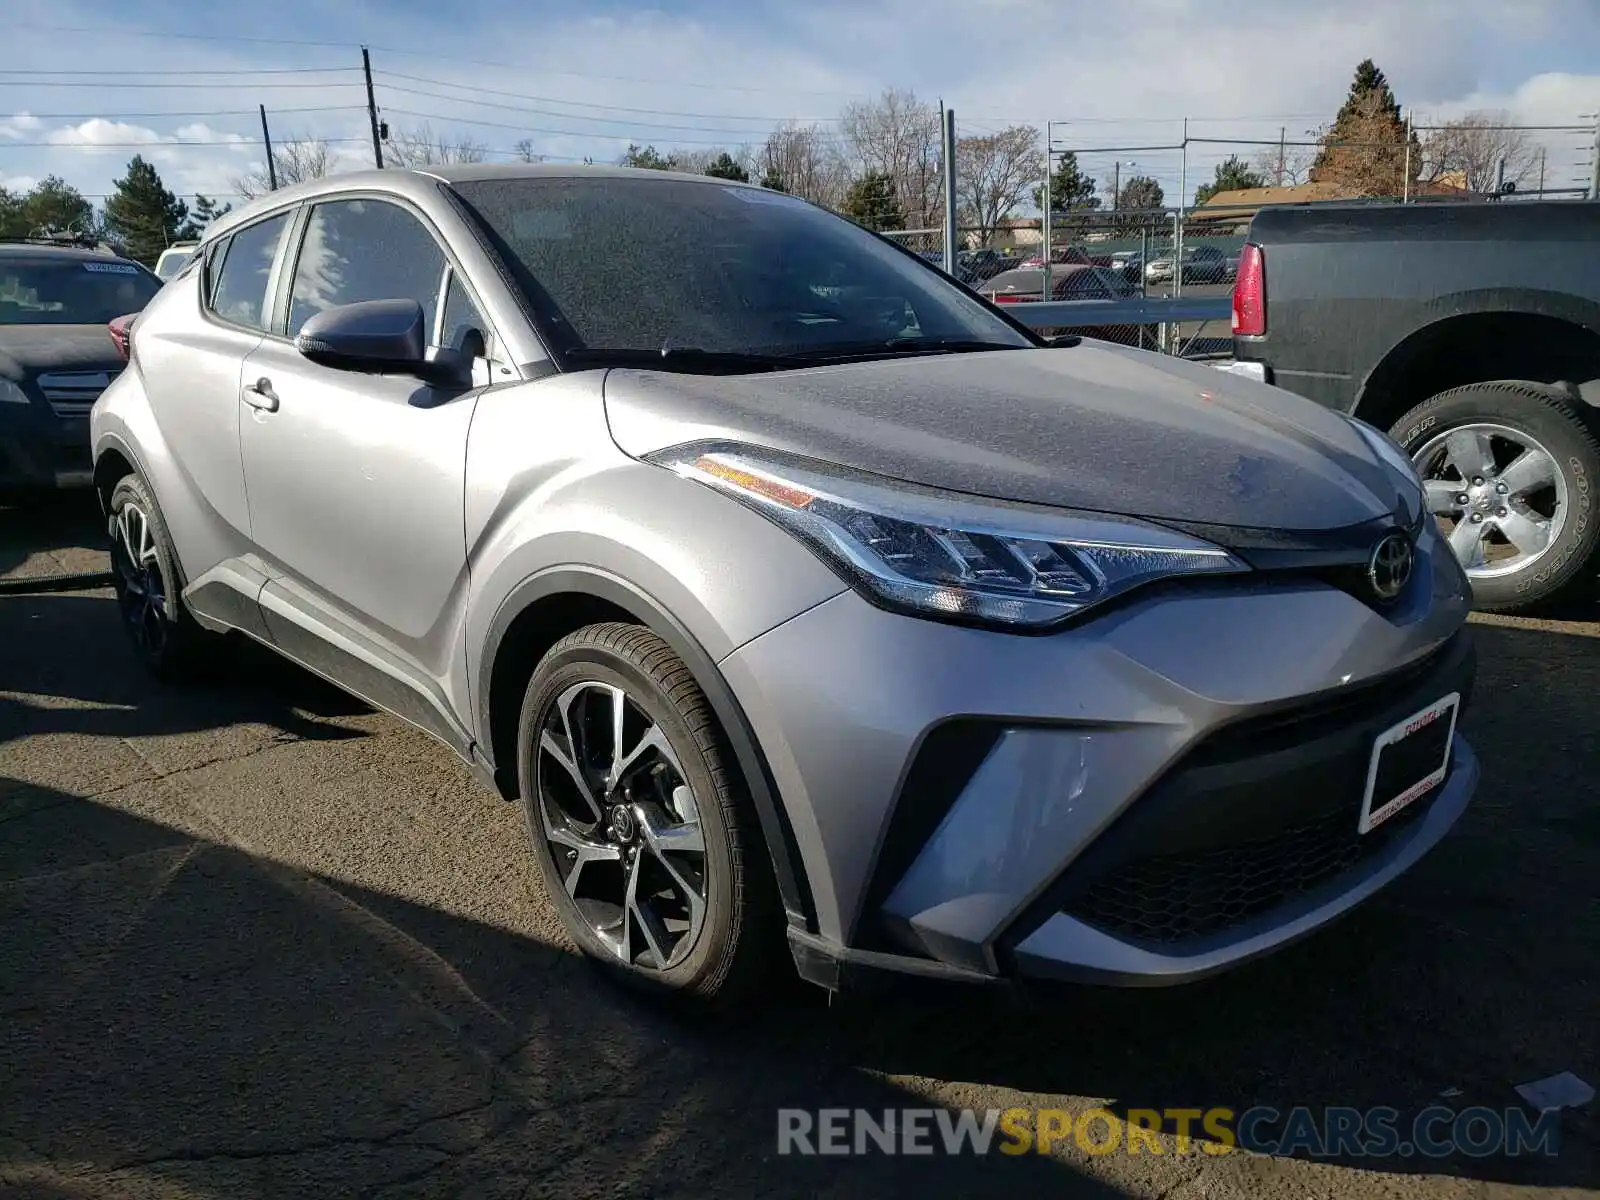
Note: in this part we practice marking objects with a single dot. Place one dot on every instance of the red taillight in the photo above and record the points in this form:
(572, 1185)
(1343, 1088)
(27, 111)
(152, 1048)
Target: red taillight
(1012, 298)
(121, 330)
(1250, 294)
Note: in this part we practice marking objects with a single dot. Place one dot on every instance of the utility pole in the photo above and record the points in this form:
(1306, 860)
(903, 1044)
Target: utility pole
(1283, 152)
(1405, 182)
(372, 109)
(1044, 220)
(1594, 165)
(266, 138)
(1500, 177)
(950, 192)
(1116, 185)
(1542, 152)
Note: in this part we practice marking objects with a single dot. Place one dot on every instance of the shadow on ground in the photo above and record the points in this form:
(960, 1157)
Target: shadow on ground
(181, 1016)
(52, 534)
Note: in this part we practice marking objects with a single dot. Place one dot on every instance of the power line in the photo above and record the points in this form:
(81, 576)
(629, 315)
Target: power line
(151, 116)
(214, 84)
(545, 112)
(156, 144)
(581, 133)
(432, 55)
(231, 71)
(654, 112)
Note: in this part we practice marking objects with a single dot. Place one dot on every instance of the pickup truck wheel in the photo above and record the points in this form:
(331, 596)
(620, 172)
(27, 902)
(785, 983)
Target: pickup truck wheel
(1510, 472)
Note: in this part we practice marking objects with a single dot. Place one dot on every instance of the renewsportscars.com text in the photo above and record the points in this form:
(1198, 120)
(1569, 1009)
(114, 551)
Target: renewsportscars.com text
(1331, 1132)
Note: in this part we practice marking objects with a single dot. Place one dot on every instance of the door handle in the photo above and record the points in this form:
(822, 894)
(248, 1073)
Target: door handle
(260, 395)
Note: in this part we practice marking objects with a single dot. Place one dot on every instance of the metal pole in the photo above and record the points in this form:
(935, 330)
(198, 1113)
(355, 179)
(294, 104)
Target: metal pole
(1116, 185)
(950, 192)
(1542, 151)
(1183, 214)
(1044, 220)
(1500, 177)
(1405, 181)
(372, 109)
(1594, 177)
(266, 138)
(1283, 151)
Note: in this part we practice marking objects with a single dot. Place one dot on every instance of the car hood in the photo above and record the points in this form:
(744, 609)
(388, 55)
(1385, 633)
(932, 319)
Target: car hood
(1089, 426)
(28, 350)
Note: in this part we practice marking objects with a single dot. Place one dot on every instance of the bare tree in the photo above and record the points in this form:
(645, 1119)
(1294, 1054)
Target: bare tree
(898, 135)
(526, 153)
(297, 159)
(421, 147)
(995, 173)
(805, 162)
(1469, 151)
(1285, 165)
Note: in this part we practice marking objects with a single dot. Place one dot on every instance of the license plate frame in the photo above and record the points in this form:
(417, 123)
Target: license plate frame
(1424, 723)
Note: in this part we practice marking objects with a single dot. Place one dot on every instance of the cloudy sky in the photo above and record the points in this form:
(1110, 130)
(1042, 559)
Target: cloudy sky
(83, 86)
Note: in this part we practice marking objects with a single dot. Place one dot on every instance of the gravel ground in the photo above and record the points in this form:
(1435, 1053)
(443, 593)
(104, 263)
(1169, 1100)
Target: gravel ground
(258, 940)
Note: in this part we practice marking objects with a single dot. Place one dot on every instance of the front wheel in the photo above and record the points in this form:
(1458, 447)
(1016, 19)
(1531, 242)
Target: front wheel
(640, 826)
(1510, 470)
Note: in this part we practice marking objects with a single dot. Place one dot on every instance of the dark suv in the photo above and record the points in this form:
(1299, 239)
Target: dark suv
(57, 355)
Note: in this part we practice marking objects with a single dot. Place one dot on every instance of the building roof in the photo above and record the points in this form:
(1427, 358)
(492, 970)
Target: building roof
(1242, 203)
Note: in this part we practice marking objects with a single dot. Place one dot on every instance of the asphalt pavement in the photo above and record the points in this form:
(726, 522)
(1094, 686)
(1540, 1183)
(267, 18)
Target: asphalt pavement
(259, 940)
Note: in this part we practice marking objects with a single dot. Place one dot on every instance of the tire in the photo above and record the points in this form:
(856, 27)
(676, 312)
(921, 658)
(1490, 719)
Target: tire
(1532, 417)
(731, 951)
(149, 585)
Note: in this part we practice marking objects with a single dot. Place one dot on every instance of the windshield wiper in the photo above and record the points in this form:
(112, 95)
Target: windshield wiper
(678, 358)
(897, 347)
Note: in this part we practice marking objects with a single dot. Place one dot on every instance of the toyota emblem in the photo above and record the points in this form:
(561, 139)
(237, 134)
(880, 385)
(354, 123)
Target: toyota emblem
(1389, 569)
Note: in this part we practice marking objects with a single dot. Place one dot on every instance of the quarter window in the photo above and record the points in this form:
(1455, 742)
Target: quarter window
(464, 328)
(357, 250)
(239, 288)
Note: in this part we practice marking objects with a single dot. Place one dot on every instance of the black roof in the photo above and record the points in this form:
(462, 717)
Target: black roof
(50, 250)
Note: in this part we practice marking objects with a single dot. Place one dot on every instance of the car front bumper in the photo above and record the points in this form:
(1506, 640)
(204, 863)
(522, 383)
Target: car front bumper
(1074, 805)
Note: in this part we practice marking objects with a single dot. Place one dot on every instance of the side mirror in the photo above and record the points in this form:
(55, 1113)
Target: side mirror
(380, 337)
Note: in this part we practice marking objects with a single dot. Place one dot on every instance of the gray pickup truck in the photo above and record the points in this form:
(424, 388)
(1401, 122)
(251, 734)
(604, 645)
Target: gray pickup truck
(1469, 332)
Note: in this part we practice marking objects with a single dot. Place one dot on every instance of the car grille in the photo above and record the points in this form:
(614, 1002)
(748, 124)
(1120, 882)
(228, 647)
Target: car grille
(73, 393)
(1173, 898)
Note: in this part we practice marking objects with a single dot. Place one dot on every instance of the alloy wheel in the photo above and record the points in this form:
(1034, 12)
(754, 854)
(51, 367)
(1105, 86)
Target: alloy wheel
(1500, 496)
(622, 823)
(141, 588)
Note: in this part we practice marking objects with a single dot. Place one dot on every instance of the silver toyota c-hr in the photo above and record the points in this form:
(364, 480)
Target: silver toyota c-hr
(791, 588)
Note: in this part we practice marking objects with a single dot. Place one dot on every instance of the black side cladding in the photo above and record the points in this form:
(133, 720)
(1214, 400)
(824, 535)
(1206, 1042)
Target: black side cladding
(949, 756)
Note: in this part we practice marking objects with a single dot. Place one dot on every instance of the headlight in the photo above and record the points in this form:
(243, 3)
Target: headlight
(1390, 451)
(940, 555)
(12, 393)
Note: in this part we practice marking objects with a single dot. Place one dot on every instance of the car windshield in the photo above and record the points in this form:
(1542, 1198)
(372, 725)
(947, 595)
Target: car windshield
(71, 291)
(684, 271)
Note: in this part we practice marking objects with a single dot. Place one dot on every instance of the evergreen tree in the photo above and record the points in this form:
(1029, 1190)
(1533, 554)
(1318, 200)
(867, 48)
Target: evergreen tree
(1232, 175)
(649, 158)
(143, 215)
(1070, 188)
(53, 206)
(725, 167)
(773, 181)
(871, 201)
(1363, 152)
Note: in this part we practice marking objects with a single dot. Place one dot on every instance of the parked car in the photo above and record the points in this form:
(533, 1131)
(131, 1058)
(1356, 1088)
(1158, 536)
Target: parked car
(1201, 264)
(978, 266)
(1072, 283)
(1061, 256)
(57, 297)
(794, 591)
(173, 259)
(1472, 334)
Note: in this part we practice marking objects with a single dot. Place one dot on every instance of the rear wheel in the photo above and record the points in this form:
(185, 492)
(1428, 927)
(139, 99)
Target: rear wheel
(1510, 471)
(144, 572)
(640, 826)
